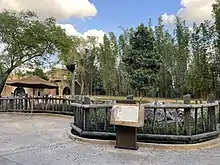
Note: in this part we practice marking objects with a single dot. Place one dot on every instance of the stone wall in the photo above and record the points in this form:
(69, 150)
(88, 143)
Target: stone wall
(57, 76)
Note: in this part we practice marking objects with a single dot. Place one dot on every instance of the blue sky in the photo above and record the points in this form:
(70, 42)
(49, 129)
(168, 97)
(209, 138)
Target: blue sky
(125, 13)
(108, 15)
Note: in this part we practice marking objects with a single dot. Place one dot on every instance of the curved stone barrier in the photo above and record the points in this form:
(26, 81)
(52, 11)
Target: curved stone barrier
(149, 138)
(203, 145)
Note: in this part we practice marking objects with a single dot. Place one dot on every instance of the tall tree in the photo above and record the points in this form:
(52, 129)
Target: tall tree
(122, 75)
(91, 64)
(181, 56)
(202, 72)
(163, 43)
(216, 15)
(27, 40)
(142, 61)
(107, 63)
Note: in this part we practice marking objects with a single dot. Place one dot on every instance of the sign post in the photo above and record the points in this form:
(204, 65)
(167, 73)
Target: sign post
(127, 118)
(72, 68)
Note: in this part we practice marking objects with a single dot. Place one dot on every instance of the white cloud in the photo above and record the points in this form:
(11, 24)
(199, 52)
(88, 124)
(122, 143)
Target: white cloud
(168, 19)
(60, 9)
(192, 11)
(95, 33)
(71, 30)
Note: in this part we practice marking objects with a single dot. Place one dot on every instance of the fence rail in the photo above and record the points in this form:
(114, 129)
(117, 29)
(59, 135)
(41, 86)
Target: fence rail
(39, 104)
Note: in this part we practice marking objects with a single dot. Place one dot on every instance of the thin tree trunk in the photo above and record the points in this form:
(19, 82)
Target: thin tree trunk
(82, 88)
(3, 79)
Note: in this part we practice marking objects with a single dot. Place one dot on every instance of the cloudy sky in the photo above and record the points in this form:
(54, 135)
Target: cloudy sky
(95, 17)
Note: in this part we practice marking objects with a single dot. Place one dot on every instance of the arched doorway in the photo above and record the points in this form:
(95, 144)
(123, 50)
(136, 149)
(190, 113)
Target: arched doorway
(19, 91)
(66, 91)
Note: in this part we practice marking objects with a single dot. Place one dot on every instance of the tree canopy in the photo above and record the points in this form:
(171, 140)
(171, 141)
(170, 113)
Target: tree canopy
(142, 60)
(27, 40)
(37, 72)
(154, 60)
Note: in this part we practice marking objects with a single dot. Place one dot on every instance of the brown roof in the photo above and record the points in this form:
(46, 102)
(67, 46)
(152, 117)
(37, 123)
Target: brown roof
(32, 82)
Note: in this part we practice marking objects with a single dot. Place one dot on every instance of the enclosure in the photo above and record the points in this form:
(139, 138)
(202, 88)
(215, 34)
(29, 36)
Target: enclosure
(164, 123)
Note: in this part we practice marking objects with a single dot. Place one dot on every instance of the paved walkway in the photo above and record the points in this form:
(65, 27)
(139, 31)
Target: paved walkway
(43, 140)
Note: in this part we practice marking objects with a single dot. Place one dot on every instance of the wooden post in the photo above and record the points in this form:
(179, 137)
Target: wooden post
(96, 119)
(16, 104)
(196, 117)
(211, 114)
(126, 137)
(87, 122)
(176, 122)
(218, 112)
(6, 104)
(187, 126)
(106, 119)
(203, 119)
(53, 103)
(166, 124)
(56, 99)
(11, 103)
(153, 123)
(60, 108)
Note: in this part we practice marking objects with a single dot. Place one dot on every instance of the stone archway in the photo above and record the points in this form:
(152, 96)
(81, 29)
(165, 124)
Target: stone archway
(19, 91)
(66, 91)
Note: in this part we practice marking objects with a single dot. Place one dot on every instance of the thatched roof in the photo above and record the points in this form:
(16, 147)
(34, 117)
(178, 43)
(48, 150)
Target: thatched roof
(32, 82)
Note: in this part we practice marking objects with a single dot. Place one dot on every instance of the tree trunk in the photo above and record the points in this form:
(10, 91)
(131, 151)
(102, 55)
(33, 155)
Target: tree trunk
(82, 88)
(3, 79)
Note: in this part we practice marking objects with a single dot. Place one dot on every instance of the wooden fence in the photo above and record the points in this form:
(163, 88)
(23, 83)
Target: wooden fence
(39, 104)
(166, 123)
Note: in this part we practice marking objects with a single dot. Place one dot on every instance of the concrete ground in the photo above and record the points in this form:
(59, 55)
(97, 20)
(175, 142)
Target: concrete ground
(43, 140)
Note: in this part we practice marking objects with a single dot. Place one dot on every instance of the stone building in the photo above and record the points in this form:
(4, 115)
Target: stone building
(56, 76)
(60, 77)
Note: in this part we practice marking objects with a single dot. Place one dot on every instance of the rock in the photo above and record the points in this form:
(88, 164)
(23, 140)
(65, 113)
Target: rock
(130, 97)
(77, 99)
(160, 114)
(86, 100)
(170, 114)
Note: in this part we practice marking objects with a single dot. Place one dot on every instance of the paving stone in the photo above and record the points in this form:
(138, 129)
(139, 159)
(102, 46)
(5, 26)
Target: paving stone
(43, 140)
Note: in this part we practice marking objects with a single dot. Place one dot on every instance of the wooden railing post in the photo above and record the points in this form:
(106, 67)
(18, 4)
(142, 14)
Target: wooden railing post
(87, 119)
(187, 126)
(202, 116)
(26, 102)
(211, 118)
(165, 119)
(218, 112)
(1, 104)
(11, 102)
(196, 117)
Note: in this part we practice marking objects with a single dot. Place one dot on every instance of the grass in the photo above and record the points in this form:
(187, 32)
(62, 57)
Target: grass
(144, 100)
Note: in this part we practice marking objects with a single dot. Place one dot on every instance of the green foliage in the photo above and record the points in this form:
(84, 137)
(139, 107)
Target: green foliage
(201, 65)
(38, 72)
(145, 60)
(107, 60)
(27, 40)
(83, 52)
(73, 54)
(164, 47)
(142, 61)
(216, 14)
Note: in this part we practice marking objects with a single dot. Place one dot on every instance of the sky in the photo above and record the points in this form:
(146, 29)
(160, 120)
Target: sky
(97, 17)
(126, 13)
